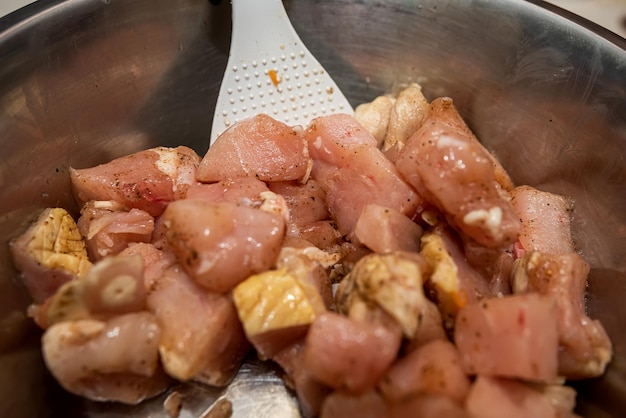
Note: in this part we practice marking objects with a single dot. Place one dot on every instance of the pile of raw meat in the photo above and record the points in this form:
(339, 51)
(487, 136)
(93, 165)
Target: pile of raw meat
(385, 261)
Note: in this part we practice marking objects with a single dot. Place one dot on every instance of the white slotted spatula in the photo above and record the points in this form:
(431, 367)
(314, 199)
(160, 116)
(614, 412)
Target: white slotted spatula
(270, 71)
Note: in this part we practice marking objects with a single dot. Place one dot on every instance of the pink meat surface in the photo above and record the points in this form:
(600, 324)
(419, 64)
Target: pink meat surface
(513, 336)
(545, 220)
(147, 180)
(445, 164)
(260, 147)
(310, 392)
(321, 234)
(427, 406)
(108, 231)
(434, 369)
(354, 173)
(116, 360)
(241, 191)
(349, 355)
(155, 261)
(585, 347)
(383, 230)
(306, 202)
(221, 244)
(496, 398)
(367, 405)
(201, 337)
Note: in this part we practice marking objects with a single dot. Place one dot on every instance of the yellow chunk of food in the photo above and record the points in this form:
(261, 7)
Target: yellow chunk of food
(276, 300)
(393, 282)
(57, 244)
(444, 279)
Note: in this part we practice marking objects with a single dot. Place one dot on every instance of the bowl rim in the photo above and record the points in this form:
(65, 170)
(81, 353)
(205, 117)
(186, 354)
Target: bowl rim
(31, 12)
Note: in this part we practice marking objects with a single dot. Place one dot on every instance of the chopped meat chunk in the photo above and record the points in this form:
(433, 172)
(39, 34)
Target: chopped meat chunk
(147, 180)
(260, 147)
(513, 336)
(585, 347)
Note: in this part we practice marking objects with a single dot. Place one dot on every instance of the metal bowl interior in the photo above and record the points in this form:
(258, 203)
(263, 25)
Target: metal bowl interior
(85, 81)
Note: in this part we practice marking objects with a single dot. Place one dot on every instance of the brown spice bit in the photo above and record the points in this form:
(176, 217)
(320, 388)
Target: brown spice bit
(223, 408)
(173, 404)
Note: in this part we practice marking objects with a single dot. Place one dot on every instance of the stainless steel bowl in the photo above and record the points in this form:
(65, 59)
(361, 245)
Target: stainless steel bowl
(84, 81)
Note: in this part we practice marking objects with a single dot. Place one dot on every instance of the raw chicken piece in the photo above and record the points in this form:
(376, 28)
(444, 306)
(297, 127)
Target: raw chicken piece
(406, 116)
(430, 329)
(201, 336)
(391, 281)
(50, 253)
(310, 392)
(366, 405)
(349, 355)
(221, 244)
(310, 265)
(496, 398)
(276, 308)
(154, 260)
(116, 360)
(306, 202)
(374, 116)
(585, 348)
(545, 220)
(260, 147)
(453, 283)
(427, 406)
(113, 286)
(433, 369)
(494, 264)
(244, 191)
(385, 230)
(513, 336)
(322, 234)
(147, 180)
(354, 173)
(108, 227)
(447, 165)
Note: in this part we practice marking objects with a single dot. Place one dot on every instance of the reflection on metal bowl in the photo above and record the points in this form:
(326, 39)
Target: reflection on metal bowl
(84, 81)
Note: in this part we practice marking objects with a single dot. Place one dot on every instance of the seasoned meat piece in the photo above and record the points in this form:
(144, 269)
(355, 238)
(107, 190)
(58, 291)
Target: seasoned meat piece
(545, 220)
(445, 163)
(147, 180)
(276, 307)
(154, 261)
(109, 227)
(310, 392)
(244, 191)
(347, 354)
(354, 172)
(366, 405)
(383, 230)
(116, 360)
(512, 336)
(453, 283)
(406, 116)
(306, 202)
(221, 244)
(374, 116)
(50, 253)
(585, 348)
(434, 369)
(259, 147)
(391, 281)
(201, 336)
(496, 398)
(427, 406)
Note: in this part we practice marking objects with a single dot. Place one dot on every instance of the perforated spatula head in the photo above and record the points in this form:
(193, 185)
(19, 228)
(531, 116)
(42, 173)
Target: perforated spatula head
(271, 71)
